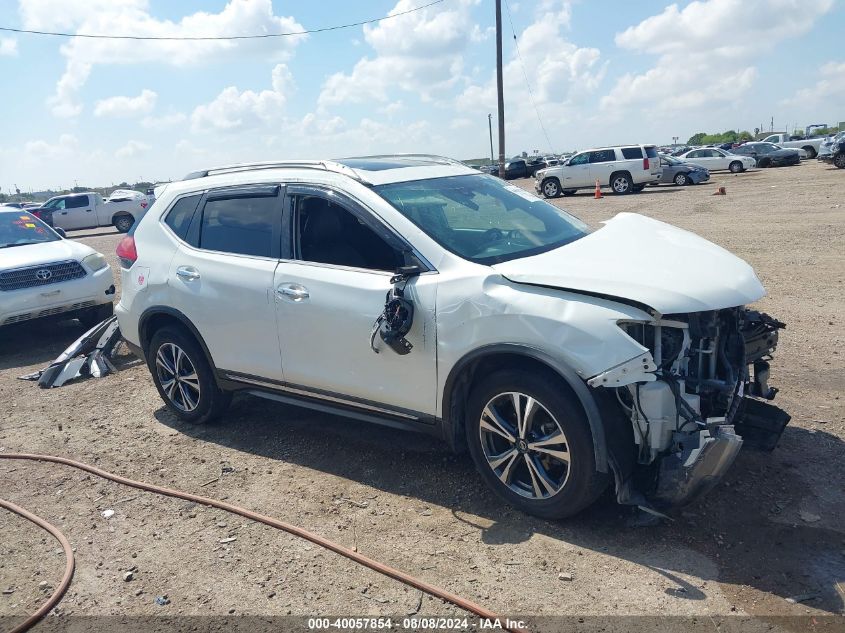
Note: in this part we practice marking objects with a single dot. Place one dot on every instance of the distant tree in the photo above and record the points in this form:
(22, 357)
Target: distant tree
(745, 135)
(697, 139)
(3, 198)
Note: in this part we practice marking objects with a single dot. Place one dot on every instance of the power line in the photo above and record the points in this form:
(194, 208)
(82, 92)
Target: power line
(525, 74)
(221, 37)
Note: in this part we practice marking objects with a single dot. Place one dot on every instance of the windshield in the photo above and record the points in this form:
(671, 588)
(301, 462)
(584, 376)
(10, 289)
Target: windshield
(481, 218)
(671, 160)
(20, 229)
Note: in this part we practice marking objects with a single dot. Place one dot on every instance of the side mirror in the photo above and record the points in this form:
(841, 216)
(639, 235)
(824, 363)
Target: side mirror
(61, 232)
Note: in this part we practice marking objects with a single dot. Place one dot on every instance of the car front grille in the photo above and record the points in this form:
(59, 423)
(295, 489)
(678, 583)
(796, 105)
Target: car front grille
(26, 316)
(42, 275)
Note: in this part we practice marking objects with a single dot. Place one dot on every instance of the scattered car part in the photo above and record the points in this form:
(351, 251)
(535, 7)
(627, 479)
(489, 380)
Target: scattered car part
(88, 355)
(395, 322)
(366, 561)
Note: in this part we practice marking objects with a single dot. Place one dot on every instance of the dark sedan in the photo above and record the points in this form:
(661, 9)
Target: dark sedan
(516, 168)
(680, 173)
(769, 154)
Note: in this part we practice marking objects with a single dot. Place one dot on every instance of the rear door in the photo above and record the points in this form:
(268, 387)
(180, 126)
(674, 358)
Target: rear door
(221, 277)
(602, 163)
(77, 214)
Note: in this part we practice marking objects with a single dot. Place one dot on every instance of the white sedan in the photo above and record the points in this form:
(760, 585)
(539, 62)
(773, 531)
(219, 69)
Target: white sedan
(714, 159)
(43, 274)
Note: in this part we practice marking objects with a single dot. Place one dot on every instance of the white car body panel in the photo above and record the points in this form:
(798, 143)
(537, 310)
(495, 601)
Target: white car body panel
(693, 274)
(716, 159)
(37, 301)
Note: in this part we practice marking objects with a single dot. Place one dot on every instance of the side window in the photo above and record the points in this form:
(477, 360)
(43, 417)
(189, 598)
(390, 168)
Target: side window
(328, 233)
(602, 156)
(580, 159)
(632, 152)
(180, 215)
(240, 223)
(76, 202)
(696, 154)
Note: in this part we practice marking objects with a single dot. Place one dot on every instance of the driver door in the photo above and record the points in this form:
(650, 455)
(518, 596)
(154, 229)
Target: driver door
(330, 287)
(576, 173)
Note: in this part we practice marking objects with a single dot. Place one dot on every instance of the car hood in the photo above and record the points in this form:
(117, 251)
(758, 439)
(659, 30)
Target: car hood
(646, 261)
(34, 254)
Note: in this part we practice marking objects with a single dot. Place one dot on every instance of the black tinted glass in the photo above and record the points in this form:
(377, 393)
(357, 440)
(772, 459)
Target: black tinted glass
(239, 225)
(77, 202)
(179, 218)
(632, 152)
(602, 156)
(651, 152)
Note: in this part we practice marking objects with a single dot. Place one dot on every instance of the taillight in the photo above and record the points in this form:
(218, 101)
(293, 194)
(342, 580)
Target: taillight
(126, 252)
(645, 162)
(144, 204)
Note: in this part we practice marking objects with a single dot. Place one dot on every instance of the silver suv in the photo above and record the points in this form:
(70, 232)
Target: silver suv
(625, 169)
(415, 292)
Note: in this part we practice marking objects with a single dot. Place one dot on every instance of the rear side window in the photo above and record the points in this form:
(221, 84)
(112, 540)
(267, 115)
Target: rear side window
(651, 151)
(632, 152)
(77, 202)
(602, 156)
(179, 217)
(241, 224)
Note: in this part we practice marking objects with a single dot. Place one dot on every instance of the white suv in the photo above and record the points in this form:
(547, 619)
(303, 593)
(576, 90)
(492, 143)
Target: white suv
(415, 292)
(42, 274)
(625, 169)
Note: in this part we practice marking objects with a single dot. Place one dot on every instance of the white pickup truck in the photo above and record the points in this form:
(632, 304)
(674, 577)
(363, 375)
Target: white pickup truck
(88, 210)
(809, 145)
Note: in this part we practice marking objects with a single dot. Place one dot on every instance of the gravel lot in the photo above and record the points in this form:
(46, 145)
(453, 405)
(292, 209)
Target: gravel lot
(773, 530)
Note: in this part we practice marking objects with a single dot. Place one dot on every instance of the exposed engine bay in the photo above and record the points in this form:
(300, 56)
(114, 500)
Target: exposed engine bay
(702, 401)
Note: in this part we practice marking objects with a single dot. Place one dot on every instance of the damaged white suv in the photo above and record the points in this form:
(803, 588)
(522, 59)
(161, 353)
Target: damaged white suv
(415, 292)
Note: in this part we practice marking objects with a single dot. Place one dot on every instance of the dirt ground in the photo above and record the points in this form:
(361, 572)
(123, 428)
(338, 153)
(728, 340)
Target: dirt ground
(768, 541)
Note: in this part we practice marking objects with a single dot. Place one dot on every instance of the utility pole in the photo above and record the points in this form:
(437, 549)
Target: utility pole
(500, 88)
(490, 127)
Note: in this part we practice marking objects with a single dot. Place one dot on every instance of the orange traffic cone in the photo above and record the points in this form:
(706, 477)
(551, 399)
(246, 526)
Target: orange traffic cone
(721, 191)
(598, 195)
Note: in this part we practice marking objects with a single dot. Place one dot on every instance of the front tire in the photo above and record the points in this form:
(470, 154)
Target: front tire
(183, 376)
(681, 179)
(621, 183)
(736, 167)
(551, 188)
(123, 223)
(531, 443)
(839, 160)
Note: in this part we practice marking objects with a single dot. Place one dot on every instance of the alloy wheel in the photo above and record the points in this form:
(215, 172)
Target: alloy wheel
(178, 377)
(620, 184)
(551, 189)
(524, 445)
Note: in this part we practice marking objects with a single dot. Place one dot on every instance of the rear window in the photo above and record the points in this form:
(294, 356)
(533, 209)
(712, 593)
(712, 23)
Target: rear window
(632, 152)
(179, 218)
(651, 151)
(242, 224)
(602, 156)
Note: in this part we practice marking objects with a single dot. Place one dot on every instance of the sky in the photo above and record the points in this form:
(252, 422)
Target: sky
(577, 74)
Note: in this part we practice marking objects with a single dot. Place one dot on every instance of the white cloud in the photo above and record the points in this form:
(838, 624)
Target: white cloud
(132, 17)
(235, 110)
(706, 52)
(831, 84)
(40, 150)
(126, 106)
(8, 47)
(421, 52)
(561, 74)
(132, 148)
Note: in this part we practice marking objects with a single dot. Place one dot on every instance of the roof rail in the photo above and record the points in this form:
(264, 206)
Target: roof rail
(273, 164)
(437, 157)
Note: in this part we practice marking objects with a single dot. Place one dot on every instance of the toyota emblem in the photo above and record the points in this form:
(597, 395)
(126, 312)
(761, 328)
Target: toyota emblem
(43, 274)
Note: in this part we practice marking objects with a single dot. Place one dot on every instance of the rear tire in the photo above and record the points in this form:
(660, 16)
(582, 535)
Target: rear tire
(123, 223)
(184, 378)
(621, 183)
(736, 167)
(550, 188)
(538, 475)
(839, 160)
(811, 151)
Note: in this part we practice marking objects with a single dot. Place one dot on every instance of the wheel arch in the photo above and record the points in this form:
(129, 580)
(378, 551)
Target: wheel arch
(620, 172)
(481, 361)
(157, 317)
